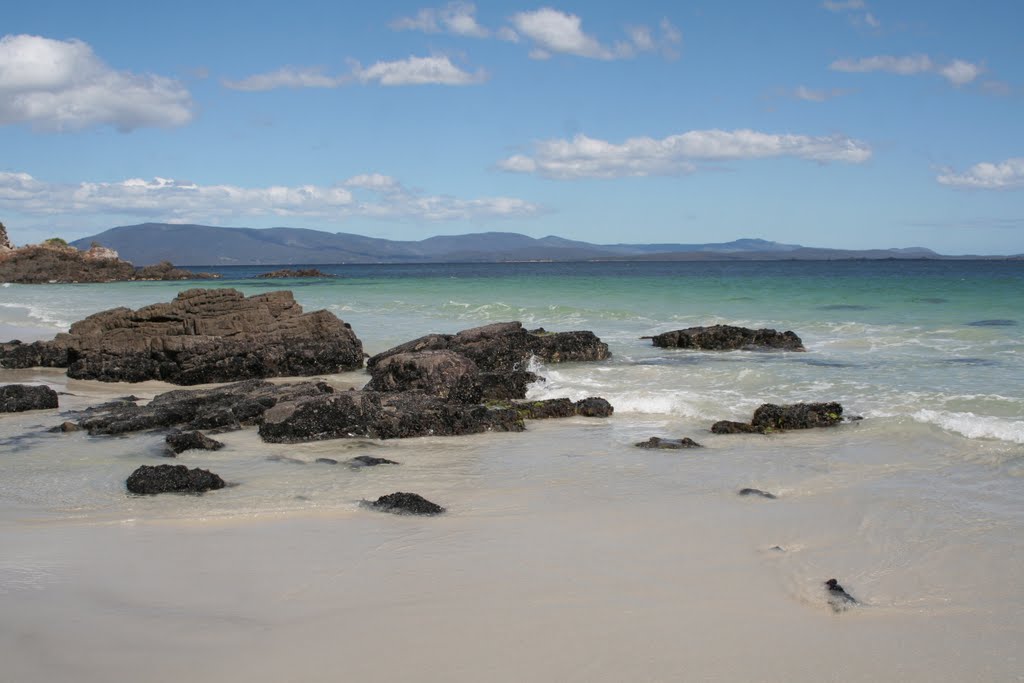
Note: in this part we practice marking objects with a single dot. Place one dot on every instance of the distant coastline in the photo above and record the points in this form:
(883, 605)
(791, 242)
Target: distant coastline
(209, 246)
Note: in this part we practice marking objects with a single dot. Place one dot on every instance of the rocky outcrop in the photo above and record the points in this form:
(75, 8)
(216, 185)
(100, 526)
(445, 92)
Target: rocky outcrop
(5, 242)
(179, 442)
(563, 407)
(231, 407)
(54, 261)
(15, 398)
(377, 415)
(289, 273)
(445, 374)
(202, 336)
(770, 418)
(406, 504)
(728, 338)
(149, 479)
(503, 347)
(669, 444)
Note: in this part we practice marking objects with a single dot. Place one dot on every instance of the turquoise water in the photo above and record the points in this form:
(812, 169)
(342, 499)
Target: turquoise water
(613, 563)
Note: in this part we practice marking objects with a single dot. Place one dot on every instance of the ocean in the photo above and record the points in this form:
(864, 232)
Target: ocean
(566, 553)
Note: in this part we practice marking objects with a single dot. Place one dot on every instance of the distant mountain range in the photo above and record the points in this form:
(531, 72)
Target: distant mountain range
(204, 245)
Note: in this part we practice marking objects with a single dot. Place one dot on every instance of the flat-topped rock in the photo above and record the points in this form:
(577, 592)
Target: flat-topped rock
(657, 442)
(729, 338)
(503, 347)
(16, 398)
(202, 336)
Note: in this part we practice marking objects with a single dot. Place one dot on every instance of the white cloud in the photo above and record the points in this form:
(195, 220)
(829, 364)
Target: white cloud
(411, 71)
(456, 17)
(585, 157)
(417, 71)
(958, 72)
(288, 77)
(1004, 175)
(57, 85)
(372, 195)
(554, 31)
(856, 10)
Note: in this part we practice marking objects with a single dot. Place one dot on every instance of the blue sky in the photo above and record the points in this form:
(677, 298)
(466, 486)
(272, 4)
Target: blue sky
(837, 123)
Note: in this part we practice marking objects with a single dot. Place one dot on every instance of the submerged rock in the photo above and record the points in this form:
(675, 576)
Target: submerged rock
(562, 407)
(728, 338)
(758, 493)
(669, 444)
(326, 461)
(179, 442)
(65, 427)
(838, 598)
(16, 398)
(149, 479)
(406, 504)
(368, 461)
(731, 427)
(293, 273)
(202, 336)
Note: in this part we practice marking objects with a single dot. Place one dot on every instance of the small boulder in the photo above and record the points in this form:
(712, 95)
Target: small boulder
(178, 442)
(838, 598)
(797, 416)
(15, 398)
(327, 461)
(406, 504)
(65, 427)
(149, 479)
(669, 444)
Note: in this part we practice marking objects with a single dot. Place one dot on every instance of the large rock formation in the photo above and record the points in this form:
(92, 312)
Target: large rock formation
(729, 338)
(55, 261)
(482, 363)
(204, 335)
(15, 398)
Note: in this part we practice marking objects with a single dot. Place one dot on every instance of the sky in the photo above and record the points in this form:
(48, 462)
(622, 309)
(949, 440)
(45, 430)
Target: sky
(837, 123)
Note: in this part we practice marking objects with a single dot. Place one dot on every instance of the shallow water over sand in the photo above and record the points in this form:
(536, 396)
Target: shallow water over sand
(566, 552)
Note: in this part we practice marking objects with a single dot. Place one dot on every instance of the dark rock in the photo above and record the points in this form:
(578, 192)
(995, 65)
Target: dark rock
(838, 598)
(731, 427)
(504, 347)
(165, 270)
(728, 338)
(293, 273)
(55, 261)
(406, 504)
(230, 406)
(506, 386)
(172, 479)
(65, 427)
(376, 415)
(797, 416)
(327, 461)
(204, 335)
(369, 461)
(757, 492)
(445, 374)
(669, 444)
(563, 407)
(178, 442)
(15, 398)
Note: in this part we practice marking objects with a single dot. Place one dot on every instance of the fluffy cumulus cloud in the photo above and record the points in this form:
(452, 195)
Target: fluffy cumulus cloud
(59, 85)
(373, 195)
(958, 72)
(412, 71)
(458, 18)
(585, 157)
(553, 32)
(1004, 175)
